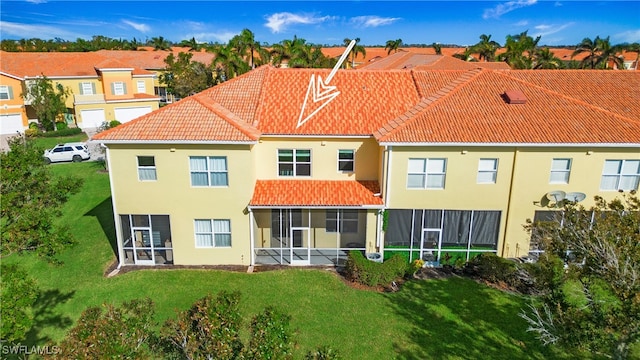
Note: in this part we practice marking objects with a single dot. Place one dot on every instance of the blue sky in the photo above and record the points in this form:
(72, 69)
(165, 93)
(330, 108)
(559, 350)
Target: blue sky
(324, 22)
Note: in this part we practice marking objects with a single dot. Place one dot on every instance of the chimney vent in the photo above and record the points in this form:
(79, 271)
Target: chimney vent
(515, 97)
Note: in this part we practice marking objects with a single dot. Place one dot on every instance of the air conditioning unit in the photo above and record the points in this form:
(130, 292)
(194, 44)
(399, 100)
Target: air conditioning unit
(374, 256)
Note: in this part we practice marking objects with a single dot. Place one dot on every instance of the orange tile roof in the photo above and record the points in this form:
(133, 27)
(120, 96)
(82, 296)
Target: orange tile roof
(153, 60)
(190, 119)
(559, 109)
(59, 64)
(410, 60)
(321, 193)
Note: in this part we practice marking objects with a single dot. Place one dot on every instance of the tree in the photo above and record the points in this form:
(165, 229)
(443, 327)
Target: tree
(184, 77)
(545, 59)
(247, 47)
(111, 332)
(600, 53)
(18, 293)
(159, 43)
(393, 45)
(437, 48)
(228, 63)
(520, 50)
(192, 44)
(47, 100)
(270, 336)
(486, 48)
(31, 202)
(589, 277)
(357, 49)
(287, 51)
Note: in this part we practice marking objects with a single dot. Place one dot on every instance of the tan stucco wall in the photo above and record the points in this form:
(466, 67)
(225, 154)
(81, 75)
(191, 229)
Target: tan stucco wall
(173, 194)
(15, 105)
(324, 157)
(110, 77)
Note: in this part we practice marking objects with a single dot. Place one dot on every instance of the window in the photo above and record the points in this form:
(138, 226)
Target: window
(147, 168)
(560, 170)
(426, 173)
(118, 88)
(213, 233)
(87, 88)
(487, 171)
(343, 221)
(209, 171)
(620, 175)
(294, 162)
(345, 160)
(141, 87)
(6, 92)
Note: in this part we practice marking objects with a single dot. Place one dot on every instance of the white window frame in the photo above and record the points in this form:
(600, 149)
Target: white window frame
(294, 162)
(427, 173)
(209, 171)
(5, 94)
(142, 88)
(118, 88)
(339, 220)
(211, 233)
(485, 171)
(622, 173)
(87, 88)
(558, 173)
(146, 168)
(351, 161)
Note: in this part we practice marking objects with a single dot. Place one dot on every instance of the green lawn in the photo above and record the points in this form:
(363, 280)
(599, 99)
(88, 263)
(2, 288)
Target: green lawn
(432, 319)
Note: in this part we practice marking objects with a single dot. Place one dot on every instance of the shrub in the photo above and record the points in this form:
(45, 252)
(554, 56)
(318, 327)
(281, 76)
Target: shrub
(367, 272)
(61, 125)
(270, 336)
(492, 268)
(113, 123)
(63, 132)
(323, 353)
(31, 132)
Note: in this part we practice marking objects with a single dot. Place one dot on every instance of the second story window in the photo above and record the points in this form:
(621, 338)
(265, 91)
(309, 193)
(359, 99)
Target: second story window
(208, 171)
(620, 175)
(487, 171)
(6, 92)
(141, 87)
(294, 162)
(147, 168)
(118, 88)
(346, 160)
(560, 171)
(87, 88)
(426, 173)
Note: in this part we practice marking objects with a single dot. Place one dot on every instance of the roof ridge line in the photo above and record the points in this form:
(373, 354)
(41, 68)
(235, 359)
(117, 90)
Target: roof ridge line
(425, 102)
(233, 119)
(581, 102)
(267, 73)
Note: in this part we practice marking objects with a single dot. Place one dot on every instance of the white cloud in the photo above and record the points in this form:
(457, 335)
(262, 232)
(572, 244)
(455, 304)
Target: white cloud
(522, 23)
(279, 22)
(37, 1)
(372, 21)
(545, 30)
(502, 9)
(27, 31)
(630, 36)
(206, 37)
(557, 4)
(138, 26)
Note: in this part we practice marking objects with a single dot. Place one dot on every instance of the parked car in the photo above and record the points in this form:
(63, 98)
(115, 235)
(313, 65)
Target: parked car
(75, 152)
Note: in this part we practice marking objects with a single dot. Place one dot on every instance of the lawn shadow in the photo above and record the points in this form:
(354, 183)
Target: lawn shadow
(104, 213)
(46, 316)
(457, 318)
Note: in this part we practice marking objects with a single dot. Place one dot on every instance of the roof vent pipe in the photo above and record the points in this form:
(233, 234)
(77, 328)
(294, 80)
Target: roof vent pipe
(515, 97)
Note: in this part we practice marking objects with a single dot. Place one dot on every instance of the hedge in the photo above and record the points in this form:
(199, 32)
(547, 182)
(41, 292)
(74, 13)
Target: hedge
(370, 273)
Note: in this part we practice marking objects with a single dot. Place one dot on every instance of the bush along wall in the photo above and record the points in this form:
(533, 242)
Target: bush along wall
(364, 271)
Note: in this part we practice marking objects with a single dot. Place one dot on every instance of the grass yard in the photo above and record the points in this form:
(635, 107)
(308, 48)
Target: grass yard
(427, 319)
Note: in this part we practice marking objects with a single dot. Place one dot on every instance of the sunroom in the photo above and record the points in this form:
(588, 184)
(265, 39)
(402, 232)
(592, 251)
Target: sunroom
(310, 222)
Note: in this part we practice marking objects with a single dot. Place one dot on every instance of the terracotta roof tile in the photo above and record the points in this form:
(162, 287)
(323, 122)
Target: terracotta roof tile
(315, 193)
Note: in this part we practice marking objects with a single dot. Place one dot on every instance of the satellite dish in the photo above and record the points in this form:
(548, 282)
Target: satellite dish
(575, 196)
(557, 195)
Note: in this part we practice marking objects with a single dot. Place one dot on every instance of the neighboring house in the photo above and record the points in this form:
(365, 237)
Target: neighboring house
(102, 89)
(431, 164)
(406, 60)
(13, 117)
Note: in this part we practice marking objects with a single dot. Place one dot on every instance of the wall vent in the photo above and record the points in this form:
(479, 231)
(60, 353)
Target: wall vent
(515, 97)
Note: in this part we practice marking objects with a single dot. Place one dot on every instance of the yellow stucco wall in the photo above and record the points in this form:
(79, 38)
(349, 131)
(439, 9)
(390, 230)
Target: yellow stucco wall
(324, 157)
(173, 195)
(16, 104)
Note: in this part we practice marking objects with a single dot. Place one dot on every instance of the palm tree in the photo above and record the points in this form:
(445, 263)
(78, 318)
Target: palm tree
(246, 46)
(545, 59)
(520, 50)
(192, 44)
(591, 47)
(357, 49)
(634, 47)
(610, 54)
(393, 45)
(286, 51)
(486, 48)
(228, 63)
(159, 43)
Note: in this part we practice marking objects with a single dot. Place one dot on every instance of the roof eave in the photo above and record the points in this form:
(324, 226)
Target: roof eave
(607, 145)
(375, 207)
(176, 142)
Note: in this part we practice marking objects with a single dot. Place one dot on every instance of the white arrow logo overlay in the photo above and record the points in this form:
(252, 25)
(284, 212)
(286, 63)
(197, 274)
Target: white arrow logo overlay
(320, 90)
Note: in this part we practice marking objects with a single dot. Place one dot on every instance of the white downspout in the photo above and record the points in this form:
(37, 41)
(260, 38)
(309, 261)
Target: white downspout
(251, 237)
(387, 151)
(116, 220)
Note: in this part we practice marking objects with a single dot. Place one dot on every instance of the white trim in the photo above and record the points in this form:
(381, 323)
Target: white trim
(11, 76)
(113, 69)
(170, 142)
(311, 136)
(252, 257)
(132, 100)
(315, 207)
(353, 162)
(63, 77)
(430, 144)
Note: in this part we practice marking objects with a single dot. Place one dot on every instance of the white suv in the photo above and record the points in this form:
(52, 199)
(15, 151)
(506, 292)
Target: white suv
(75, 152)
